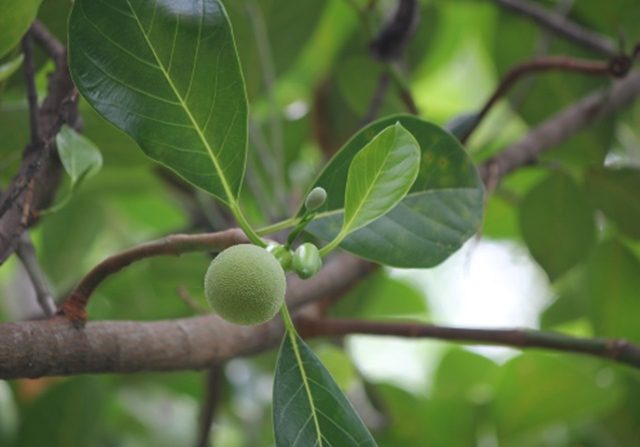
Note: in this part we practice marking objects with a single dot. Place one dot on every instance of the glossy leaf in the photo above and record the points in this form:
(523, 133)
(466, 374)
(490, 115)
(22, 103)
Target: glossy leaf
(380, 176)
(615, 192)
(79, 156)
(442, 210)
(308, 407)
(557, 224)
(10, 67)
(15, 20)
(167, 73)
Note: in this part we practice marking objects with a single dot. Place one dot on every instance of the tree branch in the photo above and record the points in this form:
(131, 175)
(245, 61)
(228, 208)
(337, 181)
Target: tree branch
(562, 26)
(35, 183)
(213, 389)
(620, 351)
(54, 347)
(617, 67)
(561, 126)
(27, 254)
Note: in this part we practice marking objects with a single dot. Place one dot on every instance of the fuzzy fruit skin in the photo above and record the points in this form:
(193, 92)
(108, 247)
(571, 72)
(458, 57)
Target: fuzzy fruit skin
(307, 260)
(245, 285)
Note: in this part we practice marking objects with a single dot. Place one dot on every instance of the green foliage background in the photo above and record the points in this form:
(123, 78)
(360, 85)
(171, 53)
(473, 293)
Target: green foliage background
(324, 82)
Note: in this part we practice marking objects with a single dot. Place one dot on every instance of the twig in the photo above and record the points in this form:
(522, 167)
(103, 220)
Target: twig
(377, 100)
(387, 46)
(617, 67)
(561, 126)
(213, 390)
(34, 185)
(32, 92)
(50, 43)
(620, 351)
(74, 308)
(27, 255)
(562, 26)
(185, 296)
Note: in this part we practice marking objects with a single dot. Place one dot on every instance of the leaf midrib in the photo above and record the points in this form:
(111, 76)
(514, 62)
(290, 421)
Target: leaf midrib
(305, 381)
(183, 104)
(347, 225)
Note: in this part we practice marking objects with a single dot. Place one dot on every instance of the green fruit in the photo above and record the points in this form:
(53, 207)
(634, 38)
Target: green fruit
(282, 254)
(315, 199)
(245, 284)
(307, 260)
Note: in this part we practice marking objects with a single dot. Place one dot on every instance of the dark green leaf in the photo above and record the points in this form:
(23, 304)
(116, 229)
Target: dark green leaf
(612, 286)
(79, 156)
(557, 224)
(442, 210)
(15, 19)
(379, 177)
(616, 193)
(308, 407)
(167, 74)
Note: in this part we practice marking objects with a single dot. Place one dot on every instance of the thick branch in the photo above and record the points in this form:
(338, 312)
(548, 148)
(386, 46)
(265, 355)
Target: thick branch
(562, 26)
(561, 126)
(54, 347)
(615, 350)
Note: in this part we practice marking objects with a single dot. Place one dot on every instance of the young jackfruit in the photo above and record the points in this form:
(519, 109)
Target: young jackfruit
(245, 284)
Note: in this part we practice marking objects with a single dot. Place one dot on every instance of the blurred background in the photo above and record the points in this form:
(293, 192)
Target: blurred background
(310, 80)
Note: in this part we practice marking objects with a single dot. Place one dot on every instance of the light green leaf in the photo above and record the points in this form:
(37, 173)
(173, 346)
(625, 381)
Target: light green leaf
(15, 20)
(380, 176)
(612, 282)
(615, 192)
(537, 390)
(79, 156)
(167, 73)
(442, 210)
(557, 224)
(10, 67)
(308, 407)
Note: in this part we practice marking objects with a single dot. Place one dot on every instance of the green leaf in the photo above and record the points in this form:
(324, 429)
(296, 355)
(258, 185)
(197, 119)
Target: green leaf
(15, 20)
(382, 296)
(167, 73)
(557, 224)
(442, 210)
(10, 67)
(612, 282)
(79, 156)
(308, 407)
(380, 176)
(69, 413)
(538, 390)
(615, 192)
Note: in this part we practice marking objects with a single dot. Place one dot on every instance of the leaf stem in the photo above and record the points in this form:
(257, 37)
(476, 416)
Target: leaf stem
(333, 244)
(246, 226)
(273, 228)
